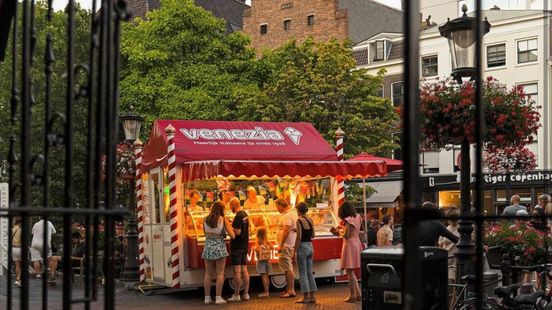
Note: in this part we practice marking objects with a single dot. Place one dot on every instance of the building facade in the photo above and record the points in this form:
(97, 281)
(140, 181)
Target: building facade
(271, 23)
(516, 51)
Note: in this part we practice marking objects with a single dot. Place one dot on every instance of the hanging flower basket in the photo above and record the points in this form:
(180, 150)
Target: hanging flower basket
(523, 243)
(509, 159)
(448, 114)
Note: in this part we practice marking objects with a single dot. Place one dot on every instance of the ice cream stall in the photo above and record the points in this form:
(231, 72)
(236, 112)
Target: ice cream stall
(187, 165)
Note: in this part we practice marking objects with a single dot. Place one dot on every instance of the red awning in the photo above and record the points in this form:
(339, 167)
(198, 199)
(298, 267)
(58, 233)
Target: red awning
(210, 149)
(269, 169)
(392, 164)
(224, 140)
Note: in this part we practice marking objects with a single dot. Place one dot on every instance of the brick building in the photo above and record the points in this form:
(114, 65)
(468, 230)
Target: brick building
(270, 23)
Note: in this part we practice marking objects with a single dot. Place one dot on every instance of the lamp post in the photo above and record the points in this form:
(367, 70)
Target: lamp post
(131, 125)
(462, 39)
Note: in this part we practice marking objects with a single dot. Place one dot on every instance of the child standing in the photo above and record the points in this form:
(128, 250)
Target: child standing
(263, 250)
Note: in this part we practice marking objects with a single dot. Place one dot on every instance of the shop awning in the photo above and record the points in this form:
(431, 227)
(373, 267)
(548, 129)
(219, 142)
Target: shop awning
(392, 164)
(269, 169)
(225, 140)
(385, 195)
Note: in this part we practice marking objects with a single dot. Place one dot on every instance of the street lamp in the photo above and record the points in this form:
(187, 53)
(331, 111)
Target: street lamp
(461, 37)
(132, 123)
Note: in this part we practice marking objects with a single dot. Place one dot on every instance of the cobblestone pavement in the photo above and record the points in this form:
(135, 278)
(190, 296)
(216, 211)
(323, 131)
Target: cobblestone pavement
(330, 296)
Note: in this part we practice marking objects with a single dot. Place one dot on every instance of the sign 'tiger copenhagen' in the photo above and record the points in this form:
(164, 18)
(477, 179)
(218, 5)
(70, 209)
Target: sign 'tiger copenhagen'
(256, 134)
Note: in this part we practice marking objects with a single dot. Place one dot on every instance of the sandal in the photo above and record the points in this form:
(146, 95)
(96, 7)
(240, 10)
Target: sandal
(350, 299)
(312, 300)
(287, 295)
(302, 301)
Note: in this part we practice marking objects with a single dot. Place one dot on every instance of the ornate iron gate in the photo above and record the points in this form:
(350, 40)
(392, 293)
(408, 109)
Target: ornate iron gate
(412, 281)
(30, 164)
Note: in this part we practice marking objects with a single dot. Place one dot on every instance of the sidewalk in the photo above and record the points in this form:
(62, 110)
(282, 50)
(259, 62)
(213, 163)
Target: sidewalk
(330, 296)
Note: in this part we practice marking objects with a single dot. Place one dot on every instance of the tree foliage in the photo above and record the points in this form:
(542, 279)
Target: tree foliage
(318, 83)
(179, 64)
(58, 30)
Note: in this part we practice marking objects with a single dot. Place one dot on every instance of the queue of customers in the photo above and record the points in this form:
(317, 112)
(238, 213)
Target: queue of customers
(295, 231)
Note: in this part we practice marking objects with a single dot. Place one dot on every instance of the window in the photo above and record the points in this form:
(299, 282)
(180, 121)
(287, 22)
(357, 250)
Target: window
(429, 66)
(310, 20)
(496, 55)
(264, 29)
(397, 138)
(430, 161)
(527, 51)
(532, 92)
(380, 51)
(287, 24)
(379, 92)
(397, 93)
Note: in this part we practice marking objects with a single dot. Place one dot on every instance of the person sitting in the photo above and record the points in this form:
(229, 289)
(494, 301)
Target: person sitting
(385, 233)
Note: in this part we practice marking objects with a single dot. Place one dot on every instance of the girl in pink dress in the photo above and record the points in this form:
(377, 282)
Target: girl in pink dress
(350, 254)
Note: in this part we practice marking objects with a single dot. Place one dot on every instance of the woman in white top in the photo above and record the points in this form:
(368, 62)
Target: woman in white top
(215, 227)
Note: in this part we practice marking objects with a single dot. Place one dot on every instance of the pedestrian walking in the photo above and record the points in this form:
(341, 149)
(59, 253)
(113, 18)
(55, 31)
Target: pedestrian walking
(263, 267)
(350, 253)
(429, 231)
(16, 249)
(239, 247)
(286, 235)
(385, 233)
(215, 227)
(450, 246)
(37, 248)
(304, 252)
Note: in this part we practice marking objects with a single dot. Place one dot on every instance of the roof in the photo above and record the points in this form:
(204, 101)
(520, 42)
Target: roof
(210, 149)
(495, 16)
(229, 10)
(368, 18)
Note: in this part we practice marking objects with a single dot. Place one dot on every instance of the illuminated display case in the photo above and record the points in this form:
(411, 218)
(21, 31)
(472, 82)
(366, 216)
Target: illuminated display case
(323, 220)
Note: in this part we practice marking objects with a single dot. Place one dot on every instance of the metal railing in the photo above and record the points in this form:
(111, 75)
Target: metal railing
(30, 163)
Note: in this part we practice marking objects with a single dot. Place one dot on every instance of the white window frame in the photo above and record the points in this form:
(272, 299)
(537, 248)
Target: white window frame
(535, 137)
(393, 95)
(517, 50)
(487, 55)
(422, 65)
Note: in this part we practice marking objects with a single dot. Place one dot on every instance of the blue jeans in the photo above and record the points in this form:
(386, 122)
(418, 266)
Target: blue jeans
(304, 264)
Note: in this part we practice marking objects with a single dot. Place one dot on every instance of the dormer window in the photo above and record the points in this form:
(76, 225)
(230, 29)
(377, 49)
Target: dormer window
(380, 51)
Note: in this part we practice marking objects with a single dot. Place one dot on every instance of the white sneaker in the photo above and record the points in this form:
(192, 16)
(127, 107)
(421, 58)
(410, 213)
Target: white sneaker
(18, 283)
(234, 298)
(208, 300)
(245, 296)
(219, 300)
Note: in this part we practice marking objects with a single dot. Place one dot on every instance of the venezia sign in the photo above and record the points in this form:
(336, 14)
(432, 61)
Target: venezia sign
(256, 134)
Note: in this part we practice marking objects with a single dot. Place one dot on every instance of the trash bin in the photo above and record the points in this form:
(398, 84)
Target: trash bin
(382, 276)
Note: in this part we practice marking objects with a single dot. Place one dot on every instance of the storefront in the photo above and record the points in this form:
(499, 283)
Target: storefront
(445, 189)
(201, 159)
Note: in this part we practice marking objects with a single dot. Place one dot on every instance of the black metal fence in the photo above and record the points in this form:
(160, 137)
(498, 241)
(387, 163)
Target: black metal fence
(412, 280)
(92, 84)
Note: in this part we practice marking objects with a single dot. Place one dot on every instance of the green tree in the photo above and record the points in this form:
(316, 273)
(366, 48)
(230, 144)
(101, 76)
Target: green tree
(318, 83)
(58, 30)
(179, 64)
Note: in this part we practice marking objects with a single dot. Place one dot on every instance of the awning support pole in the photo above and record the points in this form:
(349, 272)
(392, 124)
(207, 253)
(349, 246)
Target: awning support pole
(365, 215)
